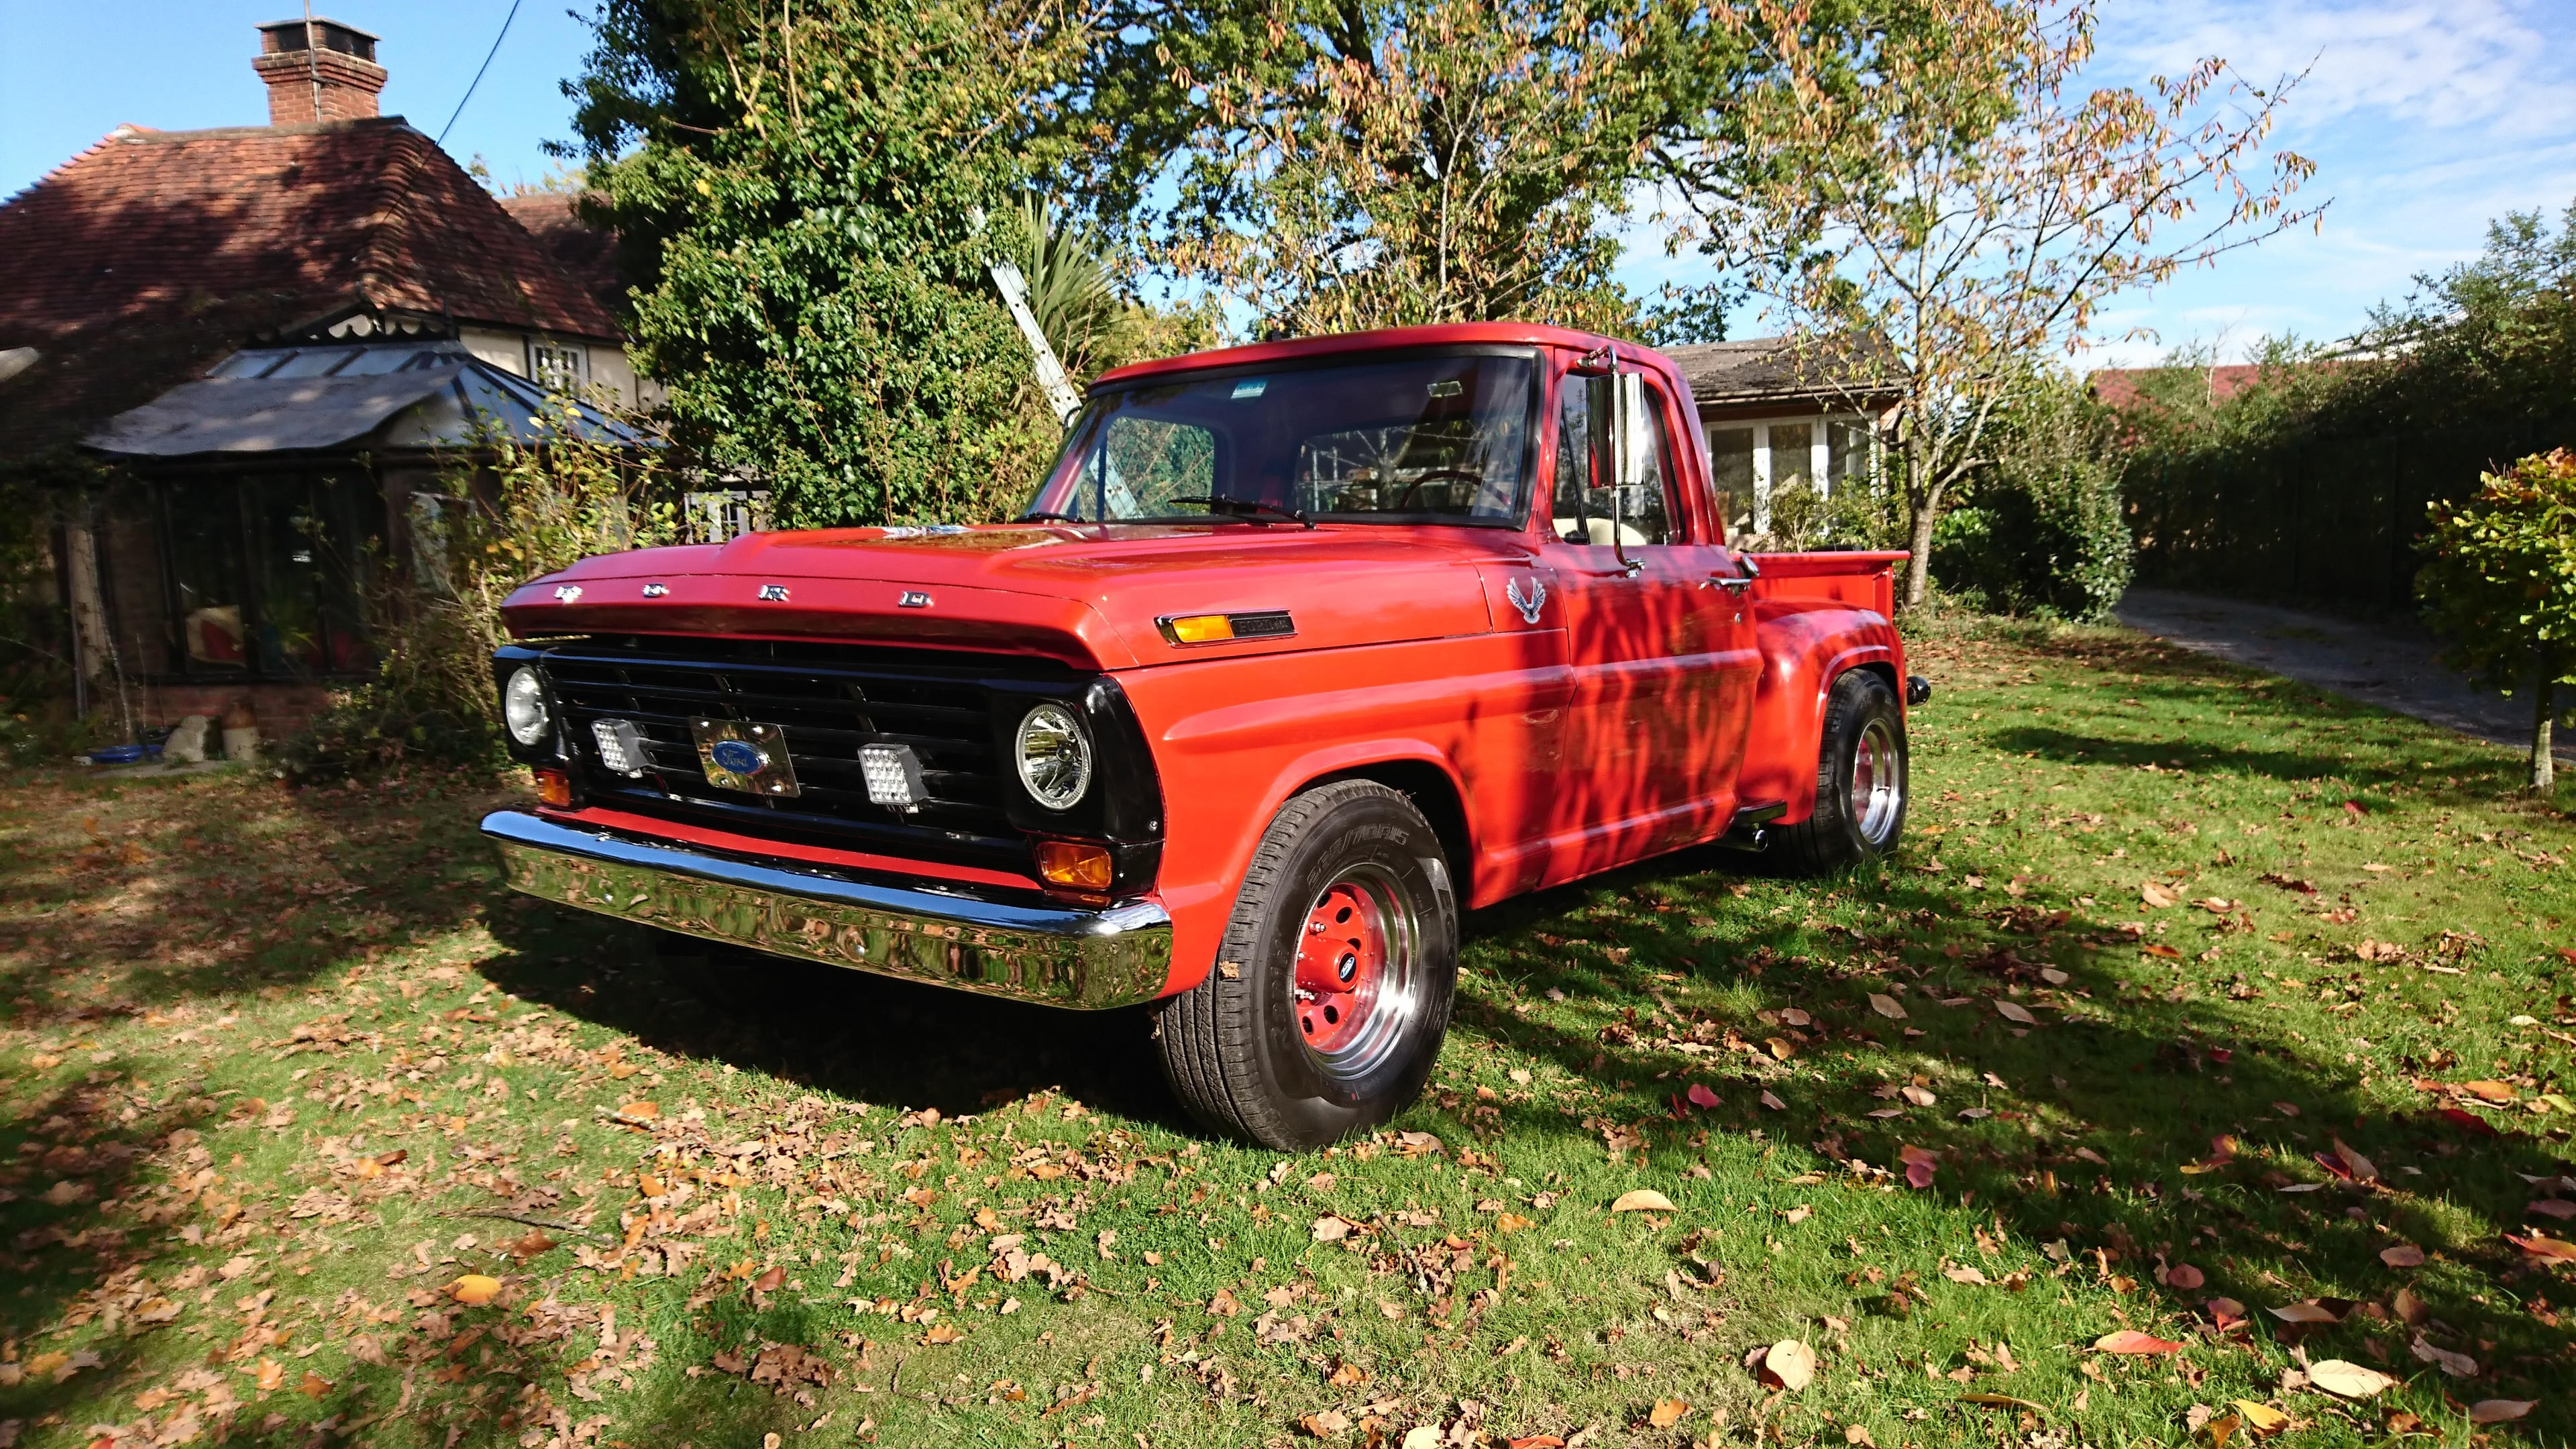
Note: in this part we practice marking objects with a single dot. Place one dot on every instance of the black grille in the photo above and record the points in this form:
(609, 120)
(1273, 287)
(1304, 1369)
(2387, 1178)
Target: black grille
(827, 700)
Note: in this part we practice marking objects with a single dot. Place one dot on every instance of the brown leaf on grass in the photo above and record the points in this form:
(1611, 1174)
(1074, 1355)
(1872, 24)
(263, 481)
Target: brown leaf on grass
(535, 1243)
(1643, 1200)
(1792, 1016)
(1968, 1274)
(2000, 1401)
(1701, 1096)
(1774, 1103)
(2011, 1011)
(1859, 1434)
(2161, 950)
(1223, 1305)
(2263, 1419)
(474, 1288)
(2183, 1277)
(2131, 1341)
(1787, 1364)
(1416, 1144)
(2457, 1365)
(1886, 1006)
(2404, 1255)
(638, 1112)
(1325, 1423)
(1666, 1413)
(2500, 1411)
(943, 1333)
(2409, 1309)
(2489, 1091)
(314, 1385)
(272, 1375)
(770, 1281)
(2544, 1247)
(1330, 1229)
(1347, 1375)
(2225, 1313)
(1919, 1096)
(2348, 1380)
(1920, 1163)
(2310, 1310)
(2156, 896)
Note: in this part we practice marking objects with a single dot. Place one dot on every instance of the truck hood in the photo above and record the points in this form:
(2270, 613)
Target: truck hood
(1089, 596)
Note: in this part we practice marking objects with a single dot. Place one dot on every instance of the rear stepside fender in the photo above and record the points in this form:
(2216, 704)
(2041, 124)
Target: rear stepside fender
(1805, 648)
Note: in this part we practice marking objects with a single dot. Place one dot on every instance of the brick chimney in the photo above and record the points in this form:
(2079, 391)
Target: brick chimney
(319, 70)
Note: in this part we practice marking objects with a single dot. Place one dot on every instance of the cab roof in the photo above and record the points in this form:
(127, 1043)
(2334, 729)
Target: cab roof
(1447, 334)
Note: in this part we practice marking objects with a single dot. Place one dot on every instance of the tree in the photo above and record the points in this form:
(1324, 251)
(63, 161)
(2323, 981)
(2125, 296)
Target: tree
(798, 190)
(1940, 209)
(2501, 585)
(1361, 163)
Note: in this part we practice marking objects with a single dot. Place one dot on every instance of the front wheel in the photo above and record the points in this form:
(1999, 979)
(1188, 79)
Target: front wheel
(1861, 779)
(1331, 991)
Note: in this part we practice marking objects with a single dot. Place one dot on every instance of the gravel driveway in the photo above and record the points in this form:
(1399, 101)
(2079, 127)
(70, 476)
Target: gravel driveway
(2391, 665)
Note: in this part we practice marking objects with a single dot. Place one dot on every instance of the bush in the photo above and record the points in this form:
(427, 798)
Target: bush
(2501, 588)
(2042, 532)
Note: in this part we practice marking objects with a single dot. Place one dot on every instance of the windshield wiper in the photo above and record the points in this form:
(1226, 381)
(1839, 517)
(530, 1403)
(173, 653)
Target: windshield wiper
(1048, 515)
(1247, 509)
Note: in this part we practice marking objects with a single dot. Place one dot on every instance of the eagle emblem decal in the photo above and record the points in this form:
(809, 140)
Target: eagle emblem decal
(1530, 605)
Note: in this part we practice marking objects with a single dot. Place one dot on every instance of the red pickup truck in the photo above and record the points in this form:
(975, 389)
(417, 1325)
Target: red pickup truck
(1301, 650)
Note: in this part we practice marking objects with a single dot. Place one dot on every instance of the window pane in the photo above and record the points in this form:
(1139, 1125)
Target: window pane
(305, 538)
(1849, 447)
(1583, 511)
(1730, 453)
(206, 554)
(1792, 455)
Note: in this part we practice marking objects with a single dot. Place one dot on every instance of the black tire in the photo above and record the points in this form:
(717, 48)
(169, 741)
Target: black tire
(1239, 1048)
(1862, 720)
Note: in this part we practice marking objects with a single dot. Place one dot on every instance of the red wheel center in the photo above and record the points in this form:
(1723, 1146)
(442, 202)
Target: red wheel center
(1338, 964)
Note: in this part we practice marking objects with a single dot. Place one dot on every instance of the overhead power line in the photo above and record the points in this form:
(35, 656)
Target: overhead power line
(478, 74)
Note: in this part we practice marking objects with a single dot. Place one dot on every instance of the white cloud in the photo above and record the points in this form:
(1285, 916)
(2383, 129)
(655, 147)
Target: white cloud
(2492, 65)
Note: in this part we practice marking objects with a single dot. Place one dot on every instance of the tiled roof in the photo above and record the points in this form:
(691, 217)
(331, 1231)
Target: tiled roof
(586, 252)
(1751, 369)
(153, 252)
(2122, 387)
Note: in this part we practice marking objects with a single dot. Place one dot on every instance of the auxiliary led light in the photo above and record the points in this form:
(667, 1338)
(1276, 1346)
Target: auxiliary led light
(893, 776)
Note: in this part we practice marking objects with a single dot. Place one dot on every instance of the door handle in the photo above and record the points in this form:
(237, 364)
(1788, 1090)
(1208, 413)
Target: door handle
(1730, 583)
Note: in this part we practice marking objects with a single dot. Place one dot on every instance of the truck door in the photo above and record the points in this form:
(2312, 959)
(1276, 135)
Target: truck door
(1653, 725)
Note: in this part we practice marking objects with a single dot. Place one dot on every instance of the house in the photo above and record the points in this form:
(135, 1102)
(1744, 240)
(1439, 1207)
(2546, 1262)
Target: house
(1776, 422)
(262, 341)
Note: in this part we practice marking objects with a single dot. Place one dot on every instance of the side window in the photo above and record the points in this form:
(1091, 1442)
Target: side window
(1583, 510)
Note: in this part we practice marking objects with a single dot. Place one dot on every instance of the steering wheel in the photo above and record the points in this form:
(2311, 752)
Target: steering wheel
(1404, 499)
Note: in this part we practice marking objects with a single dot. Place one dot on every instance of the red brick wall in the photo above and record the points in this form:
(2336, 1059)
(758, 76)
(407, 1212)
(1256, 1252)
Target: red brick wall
(282, 709)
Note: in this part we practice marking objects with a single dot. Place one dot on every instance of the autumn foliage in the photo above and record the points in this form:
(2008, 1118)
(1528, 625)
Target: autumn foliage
(2502, 586)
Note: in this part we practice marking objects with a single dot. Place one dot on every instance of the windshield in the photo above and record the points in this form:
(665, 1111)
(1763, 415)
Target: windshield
(1426, 439)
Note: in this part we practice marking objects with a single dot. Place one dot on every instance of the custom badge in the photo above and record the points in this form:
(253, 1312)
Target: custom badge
(1530, 605)
(748, 757)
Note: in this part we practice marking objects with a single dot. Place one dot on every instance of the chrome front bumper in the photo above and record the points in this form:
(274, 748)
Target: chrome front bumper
(1051, 955)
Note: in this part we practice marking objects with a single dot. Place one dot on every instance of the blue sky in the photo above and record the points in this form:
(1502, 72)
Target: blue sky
(2425, 120)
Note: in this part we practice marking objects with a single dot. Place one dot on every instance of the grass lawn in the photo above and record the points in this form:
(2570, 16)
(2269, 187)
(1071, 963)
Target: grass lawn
(2194, 998)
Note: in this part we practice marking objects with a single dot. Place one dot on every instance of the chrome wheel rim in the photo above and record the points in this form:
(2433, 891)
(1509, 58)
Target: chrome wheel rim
(1877, 782)
(1358, 983)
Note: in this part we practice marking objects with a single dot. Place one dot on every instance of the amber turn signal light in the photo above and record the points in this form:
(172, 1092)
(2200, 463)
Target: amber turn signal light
(554, 787)
(1199, 629)
(1074, 865)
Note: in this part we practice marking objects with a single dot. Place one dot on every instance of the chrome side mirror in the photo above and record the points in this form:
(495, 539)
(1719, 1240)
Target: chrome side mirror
(1616, 402)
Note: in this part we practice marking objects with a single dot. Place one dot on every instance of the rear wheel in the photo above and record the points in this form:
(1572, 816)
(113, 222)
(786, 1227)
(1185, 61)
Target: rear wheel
(1332, 989)
(1861, 780)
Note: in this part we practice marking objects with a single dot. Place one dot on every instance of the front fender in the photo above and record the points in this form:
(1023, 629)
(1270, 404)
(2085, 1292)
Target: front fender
(1805, 648)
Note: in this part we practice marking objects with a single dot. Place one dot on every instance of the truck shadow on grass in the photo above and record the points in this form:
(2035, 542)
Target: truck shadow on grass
(2079, 1127)
(863, 1037)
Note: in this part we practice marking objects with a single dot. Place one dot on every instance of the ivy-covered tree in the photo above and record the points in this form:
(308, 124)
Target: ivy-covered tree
(2501, 587)
(803, 192)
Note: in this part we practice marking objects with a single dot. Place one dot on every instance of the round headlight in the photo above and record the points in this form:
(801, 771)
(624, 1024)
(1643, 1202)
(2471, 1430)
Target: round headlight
(1055, 756)
(523, 707)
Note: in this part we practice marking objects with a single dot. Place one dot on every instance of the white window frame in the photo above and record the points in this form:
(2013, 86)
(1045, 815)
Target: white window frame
(1819, 451)
(575, 373)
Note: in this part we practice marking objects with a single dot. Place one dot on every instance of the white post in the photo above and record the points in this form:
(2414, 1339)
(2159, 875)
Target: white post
(1820, 452)
(1761, 477)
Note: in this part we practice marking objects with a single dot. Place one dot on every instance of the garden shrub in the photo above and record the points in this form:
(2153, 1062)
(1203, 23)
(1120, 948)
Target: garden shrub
(2042, 533)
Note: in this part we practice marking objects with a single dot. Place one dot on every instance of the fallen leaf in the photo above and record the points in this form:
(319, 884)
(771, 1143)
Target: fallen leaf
(1792, 1016)
(1513, 1223)
(2500, 1411)
(2404, 1255)
(2156, 896)
(314, 1385)
(1330, 1229)
(943, 1333)
(2306, 1310)
(1325, 1423)
(2131, 1341)
(1859, 1434)
(2551, 1207)
(1919, 1096)
(2161, 950)
(1789, 1364)
(2349, 1380)
(2261, 1418)
(272, 1375)
(2457, 1365)
(1701, 1096)
(2000, 1401)
(1919, 1164)
(1348, 1375)
(1886, 1006)
(2541, 1245)
(771, 1281)
(474, 1288)
(1667, 1412)
(2010, 1011)
(1774, 1103)
(1643, 1200)
(1968, 1274)
(2224, 1311)
(639, 1111)
(2489, 1091)
(2184, 1277)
